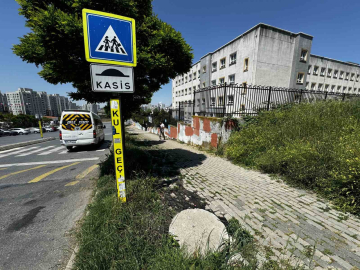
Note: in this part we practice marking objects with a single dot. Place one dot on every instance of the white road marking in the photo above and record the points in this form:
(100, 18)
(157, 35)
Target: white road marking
(17, 152)
(51, 151)
(35, 151)
(100, 150)
(63, 152)
(48, 162)
(14, 149)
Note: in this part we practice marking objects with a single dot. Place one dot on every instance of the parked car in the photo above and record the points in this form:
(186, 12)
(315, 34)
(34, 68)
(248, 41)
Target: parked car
(49, 129)
(1, 133)
(21, 131)
(8, 132)
(34, 130)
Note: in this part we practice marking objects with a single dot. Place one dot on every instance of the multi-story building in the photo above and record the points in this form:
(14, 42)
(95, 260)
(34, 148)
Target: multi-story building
(92, 107)
(4, 107)
(268, 56)
(53, 109)
(39, 104)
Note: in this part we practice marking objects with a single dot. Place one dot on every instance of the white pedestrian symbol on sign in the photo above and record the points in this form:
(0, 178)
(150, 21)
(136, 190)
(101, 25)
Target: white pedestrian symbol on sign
(110, 43)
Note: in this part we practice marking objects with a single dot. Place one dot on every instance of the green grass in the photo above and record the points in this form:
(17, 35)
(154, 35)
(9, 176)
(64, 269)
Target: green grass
(312, 145)
(134, 235)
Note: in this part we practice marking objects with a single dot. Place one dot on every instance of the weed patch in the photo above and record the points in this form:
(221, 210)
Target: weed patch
(312, 145)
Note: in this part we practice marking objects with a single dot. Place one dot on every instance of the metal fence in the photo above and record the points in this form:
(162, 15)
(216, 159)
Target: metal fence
(236, 100)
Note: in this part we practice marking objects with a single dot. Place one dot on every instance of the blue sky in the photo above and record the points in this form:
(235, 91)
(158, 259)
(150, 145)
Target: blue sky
(206, 25)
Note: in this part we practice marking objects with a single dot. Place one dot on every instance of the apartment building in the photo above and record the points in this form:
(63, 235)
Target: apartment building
(39, 104)
(4, 107)
(267, 56)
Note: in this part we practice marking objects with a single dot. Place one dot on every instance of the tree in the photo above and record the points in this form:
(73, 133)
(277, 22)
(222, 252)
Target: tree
(56, 44)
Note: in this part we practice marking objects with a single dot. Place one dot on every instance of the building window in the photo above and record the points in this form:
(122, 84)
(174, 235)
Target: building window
(230, 100)
(189, 77)
(322, 73)
(300, 78)
(186, 79)
(222, 80)
(185, 91)
(194, 75)
(213, 82)
(355, 90)
(309, 70)
(307, 86)
(198, 102)
(222, 63)
(320, 86)
(341, 74)
(333, 88)
(329, 73)
(344, 89)
(203, 84)
(246, 64)
(303, 55)
(220, 101)
(352, 76)
(198, 73)
(357, 77)
(316, 70)
(242, 107)
(212, 101)
(232, 59)
(347, 76)
(326, 87)
(204, 69)
(232, 79)
(214, 67)
(194, 88)
(336, 73)
(350, 88)
(313, 85)
(203, 101)
(198, 86)
(339, 88)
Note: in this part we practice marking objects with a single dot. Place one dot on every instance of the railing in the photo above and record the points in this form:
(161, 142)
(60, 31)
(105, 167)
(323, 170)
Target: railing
(236, 100)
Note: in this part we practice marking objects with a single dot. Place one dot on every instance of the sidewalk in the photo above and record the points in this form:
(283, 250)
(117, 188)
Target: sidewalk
(275, 213)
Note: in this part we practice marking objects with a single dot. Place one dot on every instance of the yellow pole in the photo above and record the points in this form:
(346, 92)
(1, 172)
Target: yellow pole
(41, 134)
(118, 141)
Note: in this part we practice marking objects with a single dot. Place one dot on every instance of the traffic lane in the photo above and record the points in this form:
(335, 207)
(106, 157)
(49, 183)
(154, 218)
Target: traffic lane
(4, 140)
(36, 216)
(52, 151)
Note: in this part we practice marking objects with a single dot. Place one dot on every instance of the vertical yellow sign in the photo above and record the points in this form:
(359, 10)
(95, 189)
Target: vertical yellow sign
(41, 133)
(118, 148)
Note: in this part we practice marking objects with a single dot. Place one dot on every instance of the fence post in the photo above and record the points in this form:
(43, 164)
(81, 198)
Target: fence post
(343, 97)
(301, 91)
(224, 110)
(326, 93)
(269, 98)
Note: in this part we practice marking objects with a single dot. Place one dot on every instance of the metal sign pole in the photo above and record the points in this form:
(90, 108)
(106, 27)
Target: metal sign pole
(118, 142)
(113, 71)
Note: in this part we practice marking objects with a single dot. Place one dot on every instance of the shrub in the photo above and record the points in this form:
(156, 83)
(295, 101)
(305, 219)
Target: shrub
(314, 145)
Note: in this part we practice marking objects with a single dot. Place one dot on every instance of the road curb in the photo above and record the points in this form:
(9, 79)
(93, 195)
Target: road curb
(70, 263)
(15, 145)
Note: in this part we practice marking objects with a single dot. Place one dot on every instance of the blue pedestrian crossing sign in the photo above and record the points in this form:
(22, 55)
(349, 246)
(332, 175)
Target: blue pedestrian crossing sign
(109, 38)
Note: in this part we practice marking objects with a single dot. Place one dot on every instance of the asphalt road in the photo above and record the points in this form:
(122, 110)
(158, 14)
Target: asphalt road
(44, 190)
(4, 140)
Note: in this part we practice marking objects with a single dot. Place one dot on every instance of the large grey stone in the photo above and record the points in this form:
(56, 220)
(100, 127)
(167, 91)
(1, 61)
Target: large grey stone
(198, 230)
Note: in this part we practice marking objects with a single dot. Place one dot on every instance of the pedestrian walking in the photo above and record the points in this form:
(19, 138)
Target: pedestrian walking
(162, 129)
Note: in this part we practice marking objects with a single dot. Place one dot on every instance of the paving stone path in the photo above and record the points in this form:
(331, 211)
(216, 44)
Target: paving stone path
(290, 220)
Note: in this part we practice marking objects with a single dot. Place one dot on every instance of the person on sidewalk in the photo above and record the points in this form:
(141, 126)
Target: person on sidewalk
(162, 128)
